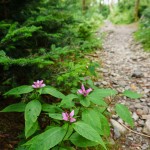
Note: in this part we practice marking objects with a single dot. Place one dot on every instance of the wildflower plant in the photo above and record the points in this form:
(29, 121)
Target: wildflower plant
(78, 119)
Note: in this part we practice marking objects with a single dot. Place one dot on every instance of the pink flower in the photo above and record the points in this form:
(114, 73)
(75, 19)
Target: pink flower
(83, 91)
(68, 116)
(38, 84)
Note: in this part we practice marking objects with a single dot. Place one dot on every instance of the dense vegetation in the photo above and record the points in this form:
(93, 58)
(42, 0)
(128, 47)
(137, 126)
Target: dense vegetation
(143, 34)
(127, 11)
(43, 40)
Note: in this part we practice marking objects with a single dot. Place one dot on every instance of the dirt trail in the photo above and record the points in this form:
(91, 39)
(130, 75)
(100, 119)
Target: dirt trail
(127, 66)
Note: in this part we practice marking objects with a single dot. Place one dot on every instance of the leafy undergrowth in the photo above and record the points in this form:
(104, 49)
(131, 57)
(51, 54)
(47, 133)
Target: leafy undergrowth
(78, 119)
(143, 33)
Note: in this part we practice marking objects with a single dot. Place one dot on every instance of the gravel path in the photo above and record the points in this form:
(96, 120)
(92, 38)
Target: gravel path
(127, 66)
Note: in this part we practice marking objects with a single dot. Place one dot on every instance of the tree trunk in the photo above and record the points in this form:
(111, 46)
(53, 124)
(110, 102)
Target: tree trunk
(111, 5)
(136, 10)
(83, 6)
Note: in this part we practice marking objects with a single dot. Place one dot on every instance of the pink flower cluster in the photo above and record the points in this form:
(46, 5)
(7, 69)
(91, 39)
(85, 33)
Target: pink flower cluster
(83, 91)
(38, 84)
(68, 116)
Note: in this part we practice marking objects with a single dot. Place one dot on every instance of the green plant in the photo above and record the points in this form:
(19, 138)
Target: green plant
(143, 33)
(78, 119)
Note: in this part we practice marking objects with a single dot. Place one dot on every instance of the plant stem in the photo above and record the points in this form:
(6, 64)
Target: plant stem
(64, 135)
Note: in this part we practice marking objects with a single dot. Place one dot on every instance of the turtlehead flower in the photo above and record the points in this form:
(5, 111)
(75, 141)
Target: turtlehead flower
(83, 91)
(38, 84)
(68, 116)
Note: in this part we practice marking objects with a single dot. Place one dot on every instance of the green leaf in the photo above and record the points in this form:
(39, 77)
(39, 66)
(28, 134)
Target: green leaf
(20, 90)
(67, 101)
(104, 125)
(32, 111)
(91, 117)
(18, 107)
(69, 132)
(85, 102)
(124, 113)
(55, 116)
(88, 132)
(131, 94)
(80, 141)
(47, 139)
(94, 98)
(52, 91)
(102, 93)
(51, 108)
(32, 130)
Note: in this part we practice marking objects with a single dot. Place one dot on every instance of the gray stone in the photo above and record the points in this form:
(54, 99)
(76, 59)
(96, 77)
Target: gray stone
(145, 110)
(114, 116)
(139, 129)
(138, 105)
(104, 82)
(120, 120)
(146, 117)
(148, 104)
(142, 100)
(118, 128)
(141, 123)
(135, 116)
(145, 147)
(122, 83)
(146, 128)
(130, 138)
(137, 74)
(139, 112)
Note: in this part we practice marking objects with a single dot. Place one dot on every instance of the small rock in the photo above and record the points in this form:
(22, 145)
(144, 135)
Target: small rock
(142, 100)
(104, 83)
(97, 83)
(145, 110)
(138, 105)
(144, 146)
(146, 128)
(139, 112)
(135, 116)
(137, 74)
(122, 83)
(114, 116)
(139, 129)
(120, 120)
(141, 123)
(146, 117)
(118, 128)
(130, 138)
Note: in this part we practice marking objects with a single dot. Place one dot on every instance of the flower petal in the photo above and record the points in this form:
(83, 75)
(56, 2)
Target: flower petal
(65, 116)
(80, 91)
(71, 114)
(33, 86)
(72, 119)
(42, 85)
(88, 90)
(82, 88)
(41, 81)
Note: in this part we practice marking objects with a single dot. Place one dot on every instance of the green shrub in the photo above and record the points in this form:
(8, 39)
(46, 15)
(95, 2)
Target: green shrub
(143, 33)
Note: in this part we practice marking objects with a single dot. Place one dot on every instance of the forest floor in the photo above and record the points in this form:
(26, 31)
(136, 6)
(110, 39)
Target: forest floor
(125, 66)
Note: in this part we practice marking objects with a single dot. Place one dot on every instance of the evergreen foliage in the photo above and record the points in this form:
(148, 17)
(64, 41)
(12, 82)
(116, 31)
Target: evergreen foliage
(39, 39)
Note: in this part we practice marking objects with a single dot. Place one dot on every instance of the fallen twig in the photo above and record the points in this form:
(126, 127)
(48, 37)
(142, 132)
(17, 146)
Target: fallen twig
(135, 131)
